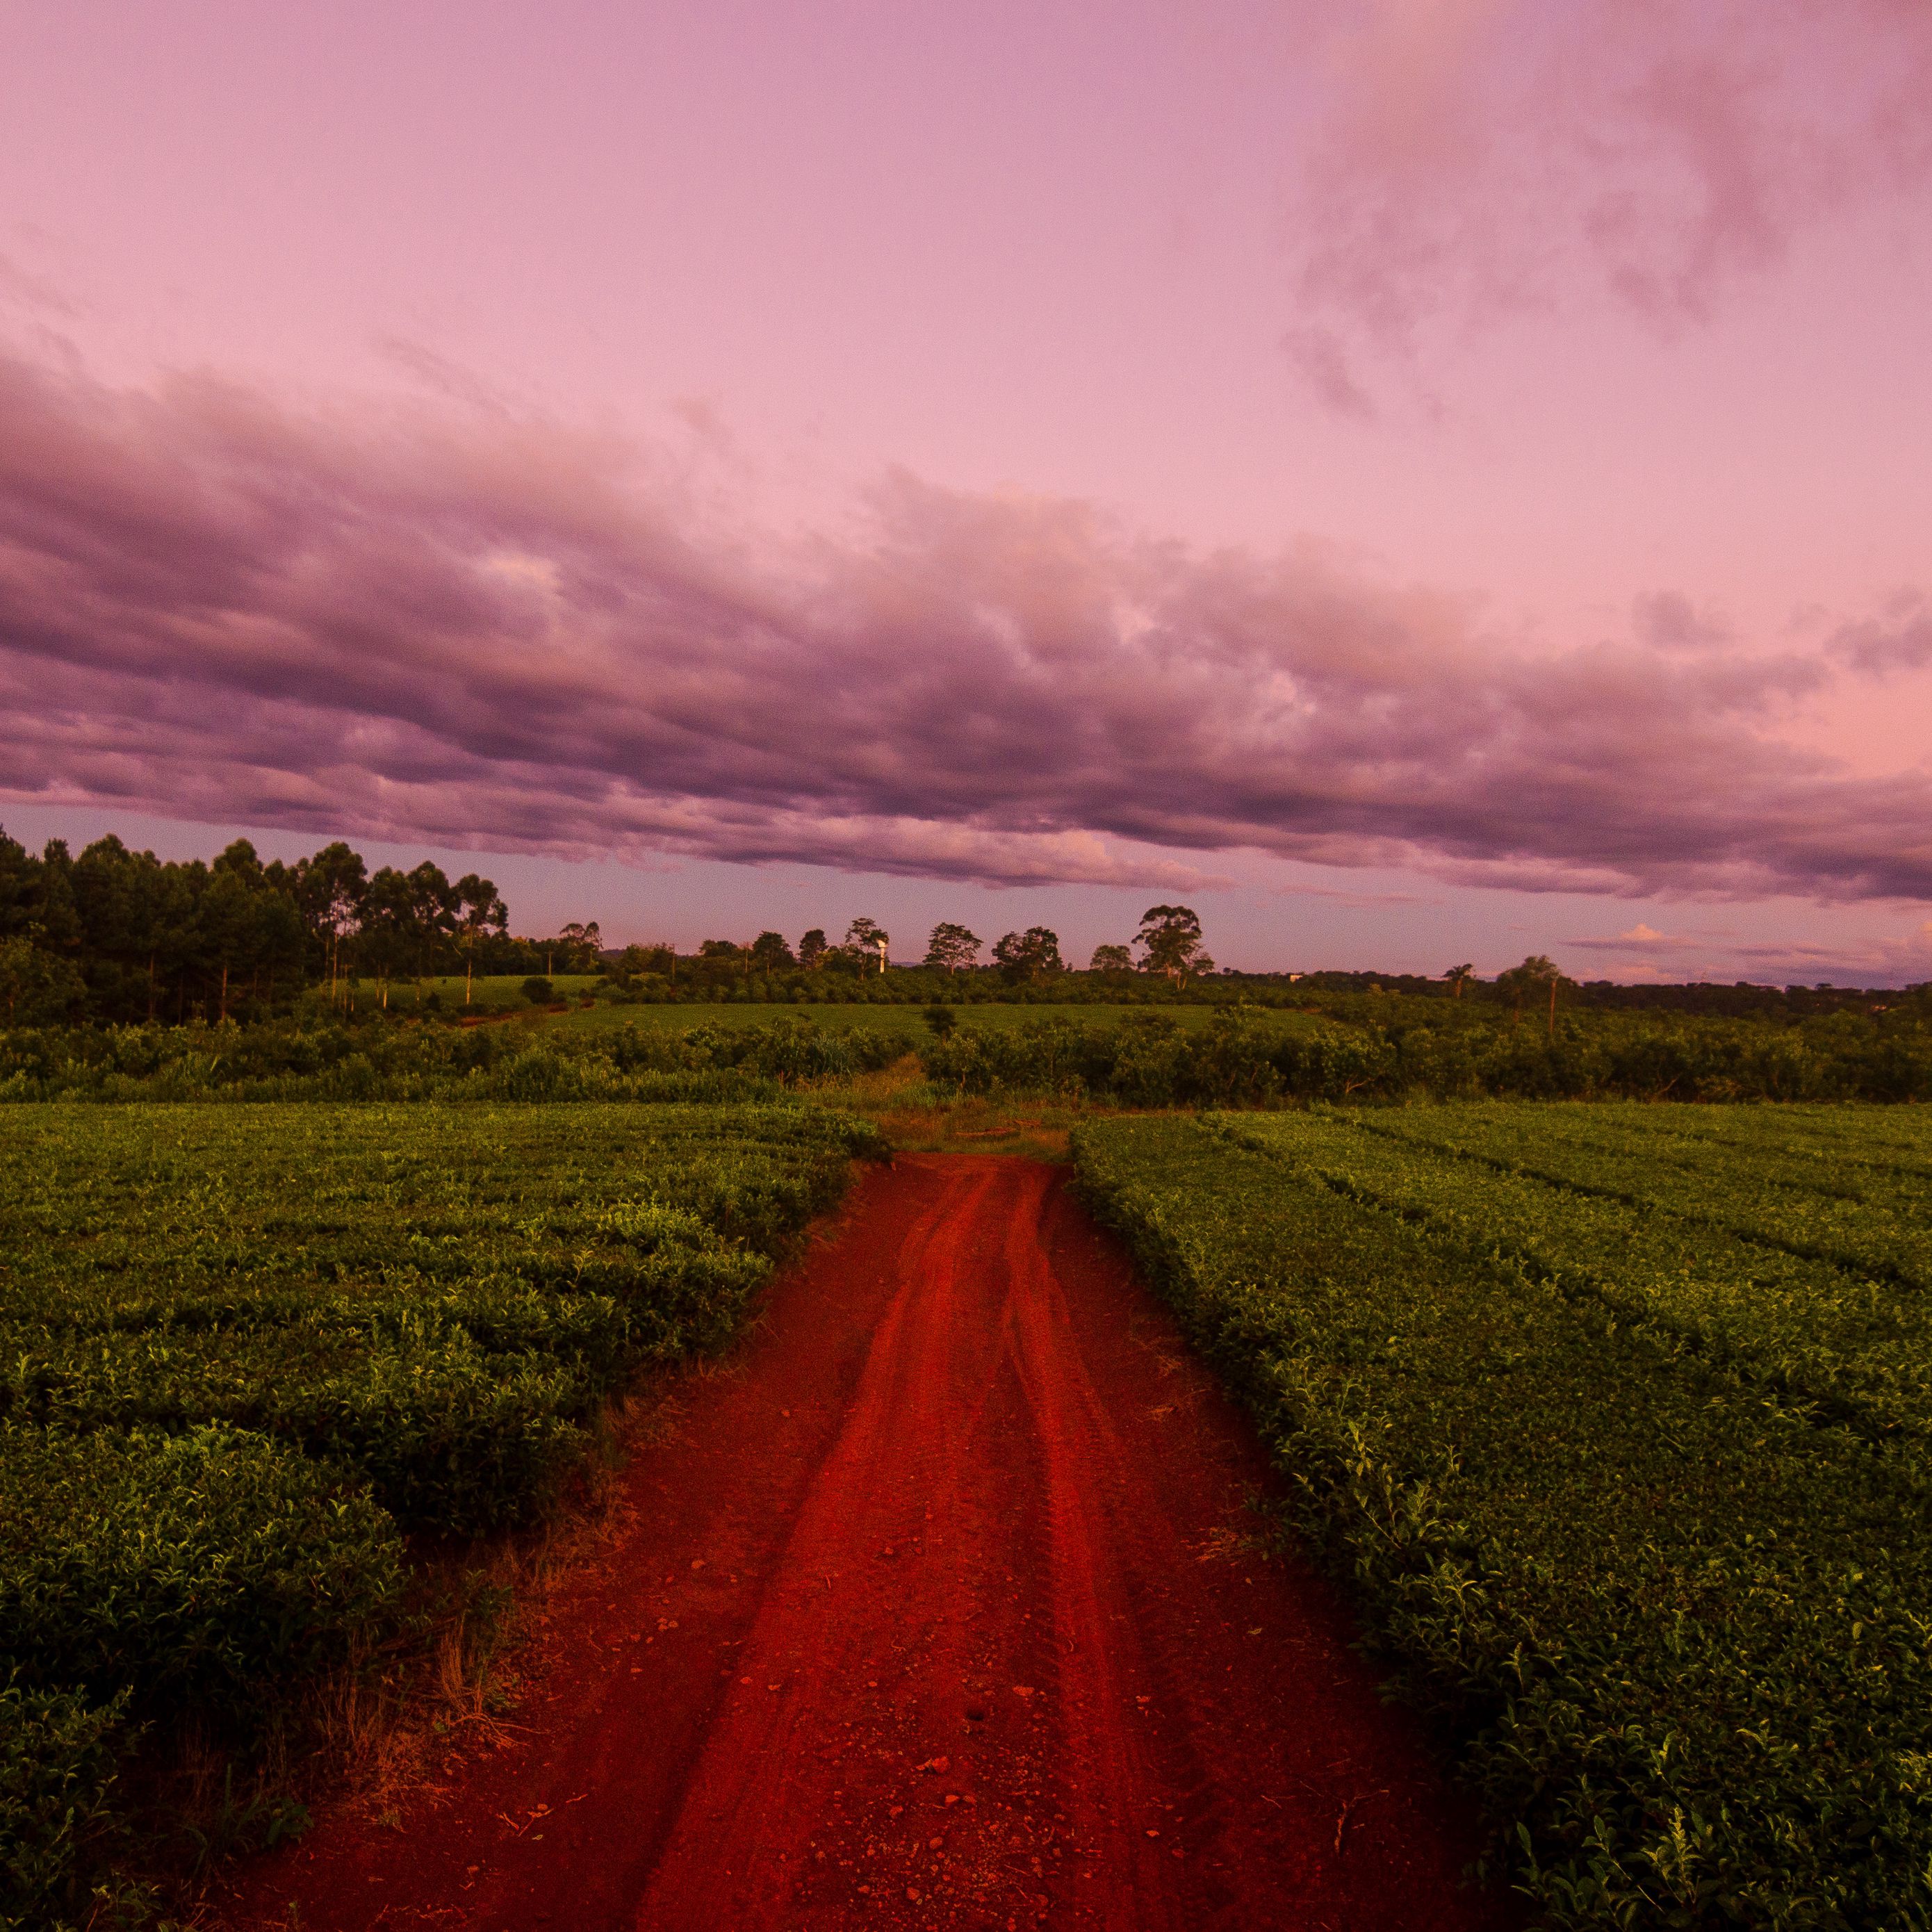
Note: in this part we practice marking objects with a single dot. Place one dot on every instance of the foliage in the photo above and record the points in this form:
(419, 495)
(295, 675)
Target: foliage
(1661, 1221)
(1670, 1609)
(865, 937)
(1022, 957)
(244, 1348)
(57, 1758)
(36, 988)
(1170, 942)
(952, 947)
(770, 954)
(1246, 1057)
(119, 936)
(205, 1566)
(334, 1061)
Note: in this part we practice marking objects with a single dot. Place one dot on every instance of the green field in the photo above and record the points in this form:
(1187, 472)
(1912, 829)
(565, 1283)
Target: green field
(245, 1353)
(1615, 1420)
(504, 995)
(490, 993)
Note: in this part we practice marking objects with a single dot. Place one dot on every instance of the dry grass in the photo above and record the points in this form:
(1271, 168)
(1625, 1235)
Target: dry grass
(916, 1120)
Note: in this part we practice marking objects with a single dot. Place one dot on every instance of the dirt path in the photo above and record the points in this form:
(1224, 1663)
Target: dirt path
(936, 1613)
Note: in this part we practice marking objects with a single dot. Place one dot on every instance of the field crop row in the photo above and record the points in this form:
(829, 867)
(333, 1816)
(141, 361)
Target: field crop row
(1571, 1454)
(1857, 1347)
(1866, 1206)
(706, 1064)
(244, 1351)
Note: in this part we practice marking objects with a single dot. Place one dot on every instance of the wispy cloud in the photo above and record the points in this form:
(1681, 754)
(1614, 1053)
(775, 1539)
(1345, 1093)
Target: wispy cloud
(1485, 158)
(1645, 952)
(1899, 638)
(485, 629)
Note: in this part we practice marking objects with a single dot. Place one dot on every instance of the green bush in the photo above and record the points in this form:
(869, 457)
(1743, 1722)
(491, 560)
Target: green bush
(57, 1759)
(209, 1565)
(239, 1347)
(1545, 1190)
(698, 1064)
(1674, 1626)
(1250, 1058)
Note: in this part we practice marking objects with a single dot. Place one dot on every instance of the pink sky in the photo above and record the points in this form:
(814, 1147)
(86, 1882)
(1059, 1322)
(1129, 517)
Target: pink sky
(1422, 481)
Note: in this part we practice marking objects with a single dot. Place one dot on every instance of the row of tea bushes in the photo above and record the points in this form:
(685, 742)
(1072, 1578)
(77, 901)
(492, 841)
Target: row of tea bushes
(1673, 1625)
(397, 1061)
(1253, 1058)
(244, 1351)
(1854, 1344)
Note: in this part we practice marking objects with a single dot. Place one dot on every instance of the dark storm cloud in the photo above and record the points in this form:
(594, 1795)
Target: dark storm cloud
(506, 635)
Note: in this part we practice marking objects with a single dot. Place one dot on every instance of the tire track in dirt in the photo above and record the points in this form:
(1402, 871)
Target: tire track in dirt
(956, 1625)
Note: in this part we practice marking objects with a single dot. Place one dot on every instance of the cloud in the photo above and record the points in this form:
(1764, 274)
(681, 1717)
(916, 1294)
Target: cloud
(37, 294)
(1323, 360)
(1667, 620)
(1718, 953)
(489, 631)
(1478, 158)
(1342, 895)
(1899, 640)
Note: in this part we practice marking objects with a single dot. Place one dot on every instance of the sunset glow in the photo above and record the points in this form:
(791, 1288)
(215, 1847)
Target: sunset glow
(1425, 481)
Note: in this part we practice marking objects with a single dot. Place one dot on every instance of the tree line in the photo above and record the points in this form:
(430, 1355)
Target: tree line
(122, 936)
(118, 936)
(115, 935)
(1169, 942)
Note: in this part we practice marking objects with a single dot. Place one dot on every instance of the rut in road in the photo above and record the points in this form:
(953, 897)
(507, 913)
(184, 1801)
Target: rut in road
(941, 1610)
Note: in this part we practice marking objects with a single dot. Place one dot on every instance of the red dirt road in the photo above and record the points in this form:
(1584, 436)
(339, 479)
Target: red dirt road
(935, 1611)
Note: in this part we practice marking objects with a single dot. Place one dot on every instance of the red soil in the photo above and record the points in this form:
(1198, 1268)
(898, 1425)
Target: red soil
(936, 1610)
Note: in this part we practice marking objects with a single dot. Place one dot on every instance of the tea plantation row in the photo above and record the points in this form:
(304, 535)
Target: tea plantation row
(1617, 1421)
(244, 1351)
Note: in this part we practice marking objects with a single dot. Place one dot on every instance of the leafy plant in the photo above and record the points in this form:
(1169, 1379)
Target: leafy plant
(242, 1348)
(1669, 1610)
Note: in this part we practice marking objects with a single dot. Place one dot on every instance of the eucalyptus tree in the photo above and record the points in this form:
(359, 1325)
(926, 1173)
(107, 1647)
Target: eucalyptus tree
(1029, 955)
(952, 947)
(1170, 943)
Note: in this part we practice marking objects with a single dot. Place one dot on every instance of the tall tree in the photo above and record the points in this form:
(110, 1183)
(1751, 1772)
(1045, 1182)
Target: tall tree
(1459, 976)
(19, 886)
(248, 929)
(577, 946)
(1536, 979)
(56, 915)
(131, 908)
(1110, 959)
(769, 952)
(867, 935)
(480, 911)
(403, 917)
(812, 949)
(330, 886)
(1028, 955)
(952, 946)
(1170, 943)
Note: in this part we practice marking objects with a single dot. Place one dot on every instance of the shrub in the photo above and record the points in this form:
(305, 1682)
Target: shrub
(208, 1565)
(57, 1757)
(1673, 1625)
